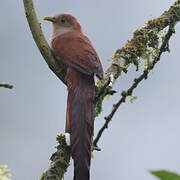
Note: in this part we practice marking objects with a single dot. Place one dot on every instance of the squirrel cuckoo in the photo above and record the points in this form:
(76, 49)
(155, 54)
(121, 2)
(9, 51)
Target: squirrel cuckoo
(75, 50)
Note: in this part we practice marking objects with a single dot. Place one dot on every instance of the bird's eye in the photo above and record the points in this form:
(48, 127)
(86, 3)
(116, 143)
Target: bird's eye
(62, 21)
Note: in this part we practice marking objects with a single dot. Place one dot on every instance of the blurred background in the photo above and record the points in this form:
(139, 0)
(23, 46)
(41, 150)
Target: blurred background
(143, 135)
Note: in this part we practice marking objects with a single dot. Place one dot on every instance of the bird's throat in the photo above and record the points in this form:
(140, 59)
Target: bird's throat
(58, 31)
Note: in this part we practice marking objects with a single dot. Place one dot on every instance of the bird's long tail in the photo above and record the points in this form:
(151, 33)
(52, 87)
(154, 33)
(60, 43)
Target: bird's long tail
(80, 120)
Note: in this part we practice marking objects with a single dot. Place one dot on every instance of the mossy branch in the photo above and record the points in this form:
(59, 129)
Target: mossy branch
(144, 40)
(143, 44)
(135, 83)
(59, 161)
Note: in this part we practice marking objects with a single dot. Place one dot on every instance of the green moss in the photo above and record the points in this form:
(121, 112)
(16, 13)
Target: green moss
(146, 40)
(59, 161)
(98, 106)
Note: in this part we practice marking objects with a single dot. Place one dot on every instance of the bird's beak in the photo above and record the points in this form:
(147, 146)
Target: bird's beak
(49, 18)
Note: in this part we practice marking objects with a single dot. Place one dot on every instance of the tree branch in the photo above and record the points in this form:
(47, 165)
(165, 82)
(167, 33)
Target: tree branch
(35, 27)
(136, 82)
(144, 43)
(8, 86)
(59, 161)
(143, 40)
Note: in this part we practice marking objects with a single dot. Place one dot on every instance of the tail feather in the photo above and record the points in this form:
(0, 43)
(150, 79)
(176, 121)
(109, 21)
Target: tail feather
(80, 121)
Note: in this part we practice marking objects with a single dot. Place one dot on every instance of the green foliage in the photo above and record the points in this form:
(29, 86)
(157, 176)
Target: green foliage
(165, 175)
(133, 98)
(5, 173)
(98, 107)
(106, 91)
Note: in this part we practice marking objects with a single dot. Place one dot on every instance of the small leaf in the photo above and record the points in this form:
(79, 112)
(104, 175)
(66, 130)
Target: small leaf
(125, 67)
(166, 175)
(133, 98)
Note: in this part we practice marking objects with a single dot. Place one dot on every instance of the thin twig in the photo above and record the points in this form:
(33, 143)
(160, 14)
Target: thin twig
(8, 86)
(136, 82)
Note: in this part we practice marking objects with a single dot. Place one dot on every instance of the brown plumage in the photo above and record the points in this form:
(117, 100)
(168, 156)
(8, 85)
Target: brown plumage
(74, 49)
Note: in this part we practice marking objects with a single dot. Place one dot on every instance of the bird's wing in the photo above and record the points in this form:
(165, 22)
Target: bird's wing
(75, 50)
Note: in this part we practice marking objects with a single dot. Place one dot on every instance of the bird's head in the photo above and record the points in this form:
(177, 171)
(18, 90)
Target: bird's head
(63, 23)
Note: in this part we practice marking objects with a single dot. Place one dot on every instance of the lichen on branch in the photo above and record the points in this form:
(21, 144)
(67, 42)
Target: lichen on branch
(143, 45)
(59, 161)
(146, 39)
(136, 82)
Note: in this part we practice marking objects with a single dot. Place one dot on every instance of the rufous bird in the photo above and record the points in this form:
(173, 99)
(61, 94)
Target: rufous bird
(71, 47)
